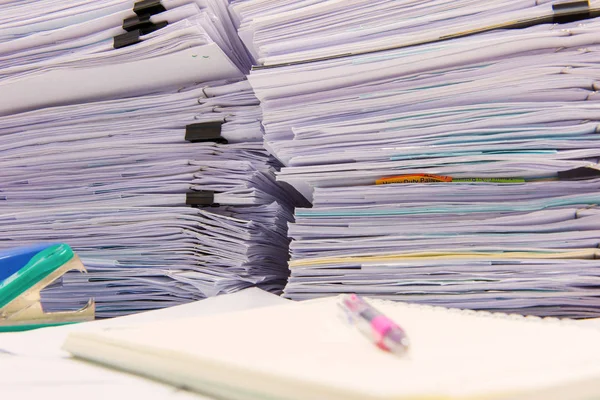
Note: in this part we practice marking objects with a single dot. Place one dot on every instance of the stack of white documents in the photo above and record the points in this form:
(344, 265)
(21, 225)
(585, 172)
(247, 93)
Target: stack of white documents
(63, 52)
(116, 179)
(471, 245)
(100, 153)
(285, 32)
(128, 131)
(460, 172)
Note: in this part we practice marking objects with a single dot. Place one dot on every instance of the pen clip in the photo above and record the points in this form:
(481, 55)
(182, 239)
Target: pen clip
(344, 313)
(349, 306)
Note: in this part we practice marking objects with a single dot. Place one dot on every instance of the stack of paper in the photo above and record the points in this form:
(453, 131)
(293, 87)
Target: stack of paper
(128, 131)
(298, 31)
(48, 34)
(54, 53)
(482, 249)
(116, 179)
(461, 172)
(107, 151)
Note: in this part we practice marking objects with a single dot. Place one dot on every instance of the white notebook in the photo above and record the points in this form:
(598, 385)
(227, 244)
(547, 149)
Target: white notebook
(304, 351)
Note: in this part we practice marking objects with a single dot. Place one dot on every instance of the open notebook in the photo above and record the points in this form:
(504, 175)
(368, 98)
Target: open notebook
(304, 351)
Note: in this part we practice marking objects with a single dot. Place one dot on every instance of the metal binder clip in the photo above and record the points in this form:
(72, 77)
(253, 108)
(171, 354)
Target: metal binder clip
(589, 172)
(201, 198)
(571, 11)
(148, 7)
(205, 132)
(24, 273)
(143, 24)
(127, 39)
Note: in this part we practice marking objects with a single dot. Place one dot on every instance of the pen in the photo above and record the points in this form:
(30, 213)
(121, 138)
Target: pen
(384, 332)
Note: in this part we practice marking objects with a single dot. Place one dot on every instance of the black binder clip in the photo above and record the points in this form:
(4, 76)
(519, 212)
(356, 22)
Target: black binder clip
(201, 198)
(571, 11)
(579, 173)
(205, 132)
(148, 7)
(126, 39)
(143, 24)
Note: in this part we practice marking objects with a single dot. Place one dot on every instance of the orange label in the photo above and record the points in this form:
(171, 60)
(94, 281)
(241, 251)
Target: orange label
(414, 178)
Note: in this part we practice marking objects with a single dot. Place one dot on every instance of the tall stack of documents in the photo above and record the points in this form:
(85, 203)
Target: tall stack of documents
(118, 181)
(162, 186)
(452, 169)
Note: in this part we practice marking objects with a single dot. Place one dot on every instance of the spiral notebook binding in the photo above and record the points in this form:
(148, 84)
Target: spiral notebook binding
(375, 302)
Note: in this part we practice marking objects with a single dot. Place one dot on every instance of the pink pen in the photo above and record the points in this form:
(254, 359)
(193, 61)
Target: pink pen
(384, 332)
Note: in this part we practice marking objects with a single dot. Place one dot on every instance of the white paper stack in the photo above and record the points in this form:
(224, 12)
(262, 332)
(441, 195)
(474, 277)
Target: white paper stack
(116, 179)
(478, 248)
(288, 32)
(154, 173)
(54, 53)
(460, 172)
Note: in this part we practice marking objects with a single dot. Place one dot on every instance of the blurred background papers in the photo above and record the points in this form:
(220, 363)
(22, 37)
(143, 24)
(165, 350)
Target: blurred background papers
(130, 133)
(495, 135)
(57, 53)
(282, 32)
(121, 196)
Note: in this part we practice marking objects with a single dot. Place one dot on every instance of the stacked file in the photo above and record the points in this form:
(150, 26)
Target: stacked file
(461, 172)
(299, 31)
(100, 153)
(527, 248)
(128, 131)
(118, 181)
(55, 53)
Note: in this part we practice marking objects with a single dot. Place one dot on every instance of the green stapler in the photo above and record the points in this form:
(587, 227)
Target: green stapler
(24, 273)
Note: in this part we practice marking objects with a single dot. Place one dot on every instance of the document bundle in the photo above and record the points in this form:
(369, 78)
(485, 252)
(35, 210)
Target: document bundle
(291, 32)
(453, 354)
(118, 181)
(65, 52)
(167, 195)
(449, 149)
(459, 172)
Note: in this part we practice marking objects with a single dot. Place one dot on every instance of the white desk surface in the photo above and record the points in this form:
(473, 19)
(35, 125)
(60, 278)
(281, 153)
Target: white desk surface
(68, 379)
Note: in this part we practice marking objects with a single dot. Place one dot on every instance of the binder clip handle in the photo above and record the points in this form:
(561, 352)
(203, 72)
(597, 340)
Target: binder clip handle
(148, 7)
(571, 11)
(201, 198)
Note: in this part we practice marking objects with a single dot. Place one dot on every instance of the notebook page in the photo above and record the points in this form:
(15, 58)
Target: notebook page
(304, 350)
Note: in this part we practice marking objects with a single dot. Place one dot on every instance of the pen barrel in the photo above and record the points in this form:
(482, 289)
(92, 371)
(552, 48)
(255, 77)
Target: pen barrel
(384, 332)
